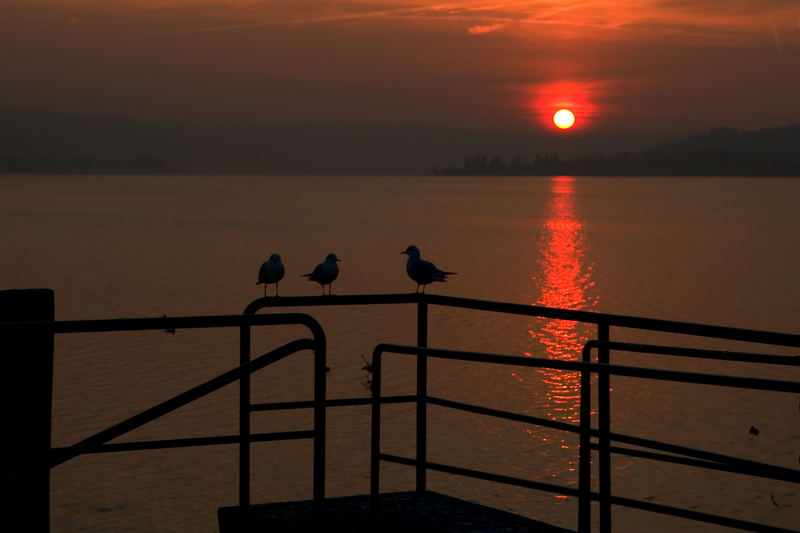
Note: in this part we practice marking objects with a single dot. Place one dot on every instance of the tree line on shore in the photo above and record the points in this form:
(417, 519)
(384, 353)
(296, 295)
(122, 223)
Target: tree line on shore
(719, 152)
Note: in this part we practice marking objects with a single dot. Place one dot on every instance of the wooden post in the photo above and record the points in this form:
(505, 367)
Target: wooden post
(26, 399)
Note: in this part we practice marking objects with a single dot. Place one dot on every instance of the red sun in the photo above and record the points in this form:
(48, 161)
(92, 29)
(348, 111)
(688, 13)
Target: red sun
(564, 119)
(565, 106)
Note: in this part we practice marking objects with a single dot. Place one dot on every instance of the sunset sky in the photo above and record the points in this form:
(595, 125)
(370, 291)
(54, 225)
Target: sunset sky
(622, 66)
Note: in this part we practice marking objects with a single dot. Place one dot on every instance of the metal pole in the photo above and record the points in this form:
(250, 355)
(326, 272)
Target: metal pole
(319, 425)
(585, 452)
(244, 419)
(375, 442)
(604, 427)
(422, 396)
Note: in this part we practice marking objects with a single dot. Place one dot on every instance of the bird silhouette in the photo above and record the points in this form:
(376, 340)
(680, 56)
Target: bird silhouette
(271, 271)
(325, 273)
(421, 271)
(168, 330)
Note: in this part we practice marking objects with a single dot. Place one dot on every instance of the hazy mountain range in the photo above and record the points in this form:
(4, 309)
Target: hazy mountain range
(41, 141)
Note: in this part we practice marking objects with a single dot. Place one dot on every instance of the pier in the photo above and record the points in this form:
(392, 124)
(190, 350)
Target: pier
(27, 329)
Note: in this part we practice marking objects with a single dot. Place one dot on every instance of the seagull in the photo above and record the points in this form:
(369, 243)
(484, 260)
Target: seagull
(421, 271)
(271, 271)
(325, 272)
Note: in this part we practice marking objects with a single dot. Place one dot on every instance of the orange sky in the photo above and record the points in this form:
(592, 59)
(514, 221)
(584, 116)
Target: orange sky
(625, 65)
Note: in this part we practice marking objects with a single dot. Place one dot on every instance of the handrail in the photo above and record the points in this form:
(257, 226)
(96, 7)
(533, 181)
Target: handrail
(732, 464)
(695, 353)
(333, 402)
(139, 445)
(696, 458)
(178, 322)
(148, 415)
(98, 443)
(245, 409)
(591, 317)
(421, 463)
(580, 366)
(604, 322)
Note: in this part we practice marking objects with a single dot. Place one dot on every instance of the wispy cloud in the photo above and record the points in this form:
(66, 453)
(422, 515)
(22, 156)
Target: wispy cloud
(362, 60)
(703, 20)
(486, 28)
(776, 33)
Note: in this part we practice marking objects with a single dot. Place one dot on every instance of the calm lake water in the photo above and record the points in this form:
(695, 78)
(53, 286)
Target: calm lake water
(717, 251)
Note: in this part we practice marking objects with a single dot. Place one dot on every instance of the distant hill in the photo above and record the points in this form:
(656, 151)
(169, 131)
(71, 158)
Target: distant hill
(41, 141)
(718, 152)
(44, 141)
(783, 140)
(730, 152)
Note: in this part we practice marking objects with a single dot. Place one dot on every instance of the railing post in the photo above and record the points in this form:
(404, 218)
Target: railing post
(375, 441)
(27, 394)
(604, 428)
(319, 425)
(244, 418)
(585, 451)
(422, 396)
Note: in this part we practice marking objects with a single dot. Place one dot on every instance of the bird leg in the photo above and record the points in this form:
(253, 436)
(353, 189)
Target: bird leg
(276, 289)
(265, 290)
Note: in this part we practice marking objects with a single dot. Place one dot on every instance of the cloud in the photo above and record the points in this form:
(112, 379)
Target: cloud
(362, 61)
(486, 28)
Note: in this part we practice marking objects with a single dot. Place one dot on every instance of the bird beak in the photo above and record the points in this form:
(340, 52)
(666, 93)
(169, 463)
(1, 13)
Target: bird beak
(403, 253)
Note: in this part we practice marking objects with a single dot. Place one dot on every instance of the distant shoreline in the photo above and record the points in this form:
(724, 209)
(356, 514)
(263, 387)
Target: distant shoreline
(50, 142)
(455, 173)
(718, 152)
(387, 174)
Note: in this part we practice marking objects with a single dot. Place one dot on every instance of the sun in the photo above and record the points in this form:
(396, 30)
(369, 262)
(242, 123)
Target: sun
(564, 119)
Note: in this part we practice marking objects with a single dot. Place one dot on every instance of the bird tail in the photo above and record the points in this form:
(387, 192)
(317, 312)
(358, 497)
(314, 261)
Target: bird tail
(449, 273)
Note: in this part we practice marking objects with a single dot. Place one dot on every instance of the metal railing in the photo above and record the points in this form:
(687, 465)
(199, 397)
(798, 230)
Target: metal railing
(696, 458)
(604, 322)
(98, 443)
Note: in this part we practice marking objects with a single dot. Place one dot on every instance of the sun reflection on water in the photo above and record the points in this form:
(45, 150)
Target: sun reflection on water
(564, 281)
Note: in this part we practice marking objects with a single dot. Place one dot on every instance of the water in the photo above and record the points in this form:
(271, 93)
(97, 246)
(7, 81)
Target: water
(718, 251)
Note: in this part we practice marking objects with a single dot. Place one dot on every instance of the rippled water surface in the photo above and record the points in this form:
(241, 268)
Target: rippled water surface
(717, 251)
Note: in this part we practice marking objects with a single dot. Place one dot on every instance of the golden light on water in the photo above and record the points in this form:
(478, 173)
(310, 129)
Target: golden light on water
(565, 281)
(563, 285)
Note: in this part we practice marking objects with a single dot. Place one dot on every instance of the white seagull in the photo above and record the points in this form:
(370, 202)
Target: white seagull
(271, 271)
(421, 271)
(325, 272)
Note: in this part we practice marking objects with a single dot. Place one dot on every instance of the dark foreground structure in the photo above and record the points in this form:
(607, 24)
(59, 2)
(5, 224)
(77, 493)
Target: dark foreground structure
(27, 329)
(426, 512)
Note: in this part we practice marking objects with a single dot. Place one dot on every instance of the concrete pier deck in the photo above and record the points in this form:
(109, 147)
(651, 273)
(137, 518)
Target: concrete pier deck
(398, 512)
